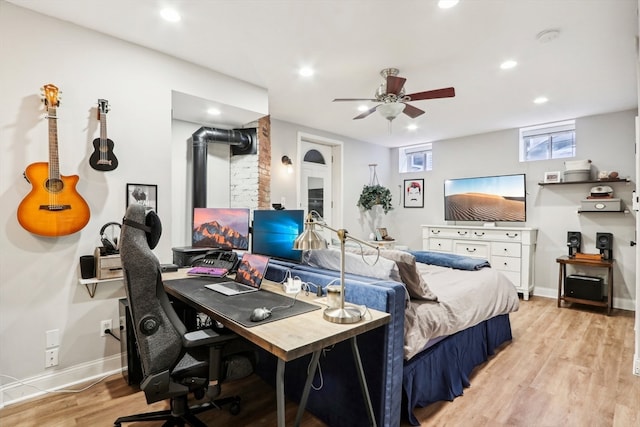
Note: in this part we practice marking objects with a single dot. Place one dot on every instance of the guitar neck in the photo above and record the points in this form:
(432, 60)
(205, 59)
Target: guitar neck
(54, 161)
(103, 128)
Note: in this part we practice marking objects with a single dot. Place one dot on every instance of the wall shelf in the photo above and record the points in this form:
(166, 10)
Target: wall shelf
(92, 283)
(595, 181)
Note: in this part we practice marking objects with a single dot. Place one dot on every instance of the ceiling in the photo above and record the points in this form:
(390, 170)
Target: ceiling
(589, 69)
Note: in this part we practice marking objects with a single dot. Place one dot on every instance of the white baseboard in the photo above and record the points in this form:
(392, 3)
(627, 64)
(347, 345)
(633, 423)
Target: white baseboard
(36, 386)
(623, 304)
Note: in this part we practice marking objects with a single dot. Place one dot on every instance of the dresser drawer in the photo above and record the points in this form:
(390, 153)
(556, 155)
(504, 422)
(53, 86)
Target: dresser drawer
(447, 232)
(504, 263)
(442, 245)
(506, 249)
(472, 249)
(502, 235)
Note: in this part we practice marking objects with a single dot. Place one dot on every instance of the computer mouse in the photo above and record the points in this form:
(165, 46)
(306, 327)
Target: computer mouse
(260, 314)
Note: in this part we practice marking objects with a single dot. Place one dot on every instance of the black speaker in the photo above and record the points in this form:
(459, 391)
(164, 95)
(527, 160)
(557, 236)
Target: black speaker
(604, 242)
(574, 242)
(87, 266)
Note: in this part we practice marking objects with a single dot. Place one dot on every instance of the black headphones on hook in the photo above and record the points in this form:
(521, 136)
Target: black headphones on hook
(109, 238)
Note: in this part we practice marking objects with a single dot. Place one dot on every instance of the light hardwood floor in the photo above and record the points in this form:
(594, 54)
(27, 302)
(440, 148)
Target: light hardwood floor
(565, 367)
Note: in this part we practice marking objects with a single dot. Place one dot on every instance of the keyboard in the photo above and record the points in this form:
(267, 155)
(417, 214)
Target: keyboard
(208, 271)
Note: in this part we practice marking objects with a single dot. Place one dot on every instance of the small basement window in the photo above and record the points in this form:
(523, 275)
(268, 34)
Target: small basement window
(416, 158)
(549, 141)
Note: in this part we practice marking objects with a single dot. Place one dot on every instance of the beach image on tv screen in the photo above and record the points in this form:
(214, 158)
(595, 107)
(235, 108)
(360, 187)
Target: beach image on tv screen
(495, 198)
(221, 228)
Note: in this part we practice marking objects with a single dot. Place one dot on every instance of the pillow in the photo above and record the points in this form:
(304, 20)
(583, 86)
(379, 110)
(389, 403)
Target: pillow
(407, 268)
(329, 259)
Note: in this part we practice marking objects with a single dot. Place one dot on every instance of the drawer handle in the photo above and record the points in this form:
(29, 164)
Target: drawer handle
(435, 231)
(462, 233)
(506, 250)
(471, 250)
(512, 235)
(505, 264)
(478, 234)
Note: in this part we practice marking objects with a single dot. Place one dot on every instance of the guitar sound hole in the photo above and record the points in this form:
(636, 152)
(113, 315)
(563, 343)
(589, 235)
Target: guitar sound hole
(54, 185)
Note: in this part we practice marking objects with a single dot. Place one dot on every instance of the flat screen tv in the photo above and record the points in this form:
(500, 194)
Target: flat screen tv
(486, 199)
(273, 233)
(224, 228)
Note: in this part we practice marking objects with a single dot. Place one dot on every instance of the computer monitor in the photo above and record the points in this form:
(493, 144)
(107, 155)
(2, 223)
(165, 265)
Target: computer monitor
(225, 228)
(275, 231)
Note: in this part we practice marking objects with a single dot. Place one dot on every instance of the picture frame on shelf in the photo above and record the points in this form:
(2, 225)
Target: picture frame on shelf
(143, 194)
(414, 193)
(551, 177)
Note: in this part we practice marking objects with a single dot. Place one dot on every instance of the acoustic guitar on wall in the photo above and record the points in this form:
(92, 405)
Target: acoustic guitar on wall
(53, 207)
(103, 158)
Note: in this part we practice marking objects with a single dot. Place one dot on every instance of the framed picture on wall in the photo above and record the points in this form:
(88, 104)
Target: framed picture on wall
(414, 193)
(143, 194)
(552, 176)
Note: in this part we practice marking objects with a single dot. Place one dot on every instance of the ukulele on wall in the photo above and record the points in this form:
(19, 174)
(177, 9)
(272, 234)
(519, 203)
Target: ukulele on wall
(103, 158)
(53, 207)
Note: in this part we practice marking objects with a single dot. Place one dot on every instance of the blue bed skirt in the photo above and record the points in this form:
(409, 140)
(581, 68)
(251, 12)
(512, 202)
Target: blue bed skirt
(442, 371)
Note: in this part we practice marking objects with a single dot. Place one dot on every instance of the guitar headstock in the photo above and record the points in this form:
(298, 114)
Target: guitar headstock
(50, 93)
(103, 107)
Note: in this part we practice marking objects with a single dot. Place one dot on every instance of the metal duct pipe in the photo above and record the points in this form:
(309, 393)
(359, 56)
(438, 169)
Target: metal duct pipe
(242, 141)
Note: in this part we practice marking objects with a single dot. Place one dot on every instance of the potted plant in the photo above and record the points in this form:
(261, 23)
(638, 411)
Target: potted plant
(375, 195)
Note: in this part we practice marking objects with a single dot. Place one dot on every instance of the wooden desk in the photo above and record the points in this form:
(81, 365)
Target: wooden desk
(562, 276)
(291, 338)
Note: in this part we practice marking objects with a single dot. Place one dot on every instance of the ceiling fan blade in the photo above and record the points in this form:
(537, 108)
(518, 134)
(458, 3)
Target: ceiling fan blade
(366, 113)
(395, 84)
(412, 111)
(355, 99)
(447, 92)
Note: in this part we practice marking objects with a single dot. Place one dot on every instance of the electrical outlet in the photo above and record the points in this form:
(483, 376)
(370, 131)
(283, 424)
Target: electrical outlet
(123, 323)
(51, 358)
(104, 325)
(636, 366)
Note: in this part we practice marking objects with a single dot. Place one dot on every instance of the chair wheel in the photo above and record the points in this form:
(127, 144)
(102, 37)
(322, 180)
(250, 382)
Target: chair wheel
(234, 408)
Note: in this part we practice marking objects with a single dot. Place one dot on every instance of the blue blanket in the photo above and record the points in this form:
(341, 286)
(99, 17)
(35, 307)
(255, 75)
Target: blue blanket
(459, 262)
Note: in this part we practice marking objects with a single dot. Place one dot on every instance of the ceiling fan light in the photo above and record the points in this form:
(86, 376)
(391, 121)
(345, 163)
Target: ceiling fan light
(391, 110)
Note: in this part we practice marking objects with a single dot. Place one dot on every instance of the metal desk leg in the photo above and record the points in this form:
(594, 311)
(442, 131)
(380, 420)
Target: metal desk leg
(280, 392)
(363, 381)
(307, 386)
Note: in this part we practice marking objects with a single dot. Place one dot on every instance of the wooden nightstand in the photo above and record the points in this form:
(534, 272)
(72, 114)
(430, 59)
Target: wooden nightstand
(598, 263)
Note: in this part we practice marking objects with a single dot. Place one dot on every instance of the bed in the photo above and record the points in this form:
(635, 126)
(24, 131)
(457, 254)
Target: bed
(430, 347)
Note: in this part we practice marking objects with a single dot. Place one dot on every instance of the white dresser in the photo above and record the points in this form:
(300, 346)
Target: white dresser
(508, 249)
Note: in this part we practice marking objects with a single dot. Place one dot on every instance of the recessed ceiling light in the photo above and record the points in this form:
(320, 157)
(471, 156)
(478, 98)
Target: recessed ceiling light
(547, 36)
(170, 15)
(412, 126)
(306, 71)
(446, 4)
(363, 108)
(540, 100)
(213, 112)
(510, 63)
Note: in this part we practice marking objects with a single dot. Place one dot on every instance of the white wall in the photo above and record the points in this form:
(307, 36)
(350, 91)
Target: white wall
(39, 288)
(608, 140)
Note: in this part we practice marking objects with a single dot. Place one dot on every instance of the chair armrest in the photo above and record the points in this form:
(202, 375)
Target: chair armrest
(203, 337)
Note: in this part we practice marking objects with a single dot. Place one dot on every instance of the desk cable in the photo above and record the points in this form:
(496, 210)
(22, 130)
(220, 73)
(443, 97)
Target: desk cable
(53, 390)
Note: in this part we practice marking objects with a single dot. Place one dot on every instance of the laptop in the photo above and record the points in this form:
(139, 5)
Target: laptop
(248, 277)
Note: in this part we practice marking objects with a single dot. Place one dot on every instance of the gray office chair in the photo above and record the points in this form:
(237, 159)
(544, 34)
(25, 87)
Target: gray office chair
(174, 362)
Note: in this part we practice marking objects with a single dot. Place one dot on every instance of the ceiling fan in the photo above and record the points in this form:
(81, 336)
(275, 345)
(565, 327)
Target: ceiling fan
(394, 101)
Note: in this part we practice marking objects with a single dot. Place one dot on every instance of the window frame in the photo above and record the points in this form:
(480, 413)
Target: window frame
(548, 130)
(409, 151)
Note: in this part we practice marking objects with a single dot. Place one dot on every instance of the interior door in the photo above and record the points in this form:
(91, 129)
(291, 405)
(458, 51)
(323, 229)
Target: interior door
(315, 179)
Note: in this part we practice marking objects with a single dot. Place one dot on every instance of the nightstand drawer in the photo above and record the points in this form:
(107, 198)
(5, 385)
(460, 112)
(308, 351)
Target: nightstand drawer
(504, 263)
(506, 249)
